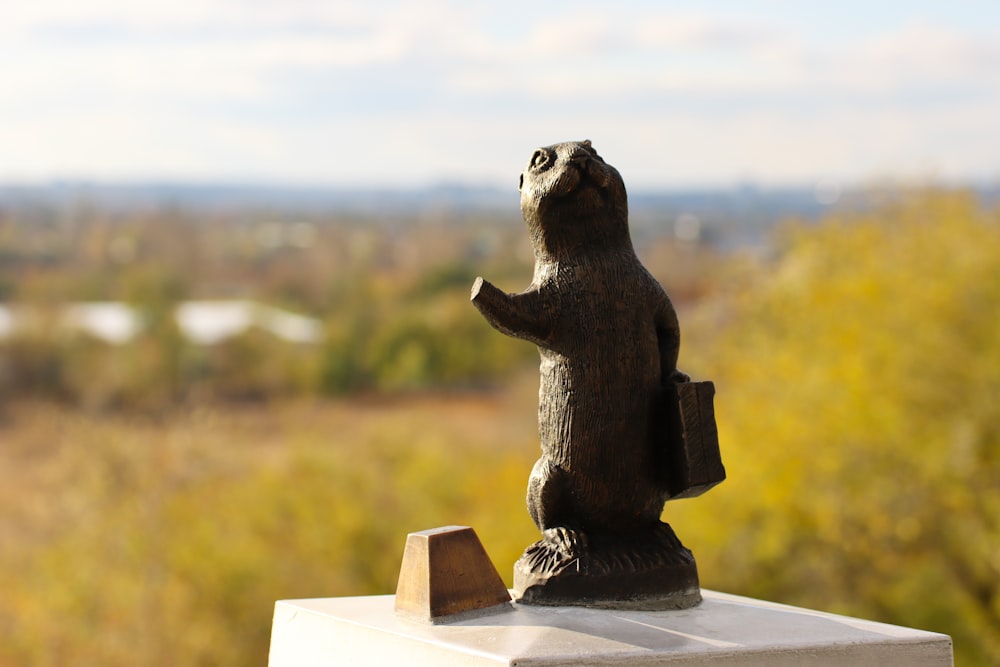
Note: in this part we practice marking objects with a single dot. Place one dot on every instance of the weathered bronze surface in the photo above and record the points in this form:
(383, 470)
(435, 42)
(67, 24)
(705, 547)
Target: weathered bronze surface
(616, 443)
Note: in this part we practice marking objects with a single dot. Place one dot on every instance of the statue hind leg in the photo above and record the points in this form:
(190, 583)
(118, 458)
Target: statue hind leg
(550, 504)
(644, 569)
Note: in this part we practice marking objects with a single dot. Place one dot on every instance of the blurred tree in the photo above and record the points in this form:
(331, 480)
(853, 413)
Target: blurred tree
(858, 379)
(154, 359)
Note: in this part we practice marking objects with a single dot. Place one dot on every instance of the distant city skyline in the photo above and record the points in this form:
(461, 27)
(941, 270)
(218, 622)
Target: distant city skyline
(396, 94)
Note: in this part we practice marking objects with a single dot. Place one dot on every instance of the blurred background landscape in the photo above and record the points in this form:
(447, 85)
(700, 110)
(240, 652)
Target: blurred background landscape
(237, 359)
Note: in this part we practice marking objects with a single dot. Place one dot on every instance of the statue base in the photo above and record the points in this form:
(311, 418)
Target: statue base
(651, 571)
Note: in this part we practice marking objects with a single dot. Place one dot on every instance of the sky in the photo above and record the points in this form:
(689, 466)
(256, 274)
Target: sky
(408, 94)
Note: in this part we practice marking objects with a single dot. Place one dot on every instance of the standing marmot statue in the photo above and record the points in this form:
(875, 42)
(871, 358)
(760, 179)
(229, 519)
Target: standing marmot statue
(608, 338)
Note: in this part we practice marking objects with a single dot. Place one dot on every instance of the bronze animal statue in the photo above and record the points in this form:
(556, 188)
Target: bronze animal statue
(608, 338)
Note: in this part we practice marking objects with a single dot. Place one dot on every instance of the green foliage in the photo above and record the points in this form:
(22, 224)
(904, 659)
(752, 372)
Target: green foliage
(447, 277)
(397, 338)
(31, 365)
(442, 343)
(396, 314)
(858, 377)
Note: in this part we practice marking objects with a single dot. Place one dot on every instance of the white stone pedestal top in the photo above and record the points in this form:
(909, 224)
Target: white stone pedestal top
(722, 630)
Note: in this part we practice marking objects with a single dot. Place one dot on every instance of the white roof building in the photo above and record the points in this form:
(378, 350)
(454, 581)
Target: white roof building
(200, 322)
(112, 322)
(210, 322)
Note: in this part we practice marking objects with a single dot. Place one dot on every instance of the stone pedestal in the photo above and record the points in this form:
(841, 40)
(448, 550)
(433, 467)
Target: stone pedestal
(723, 630)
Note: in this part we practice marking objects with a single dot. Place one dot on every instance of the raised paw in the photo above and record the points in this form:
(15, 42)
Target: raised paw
(678, 376)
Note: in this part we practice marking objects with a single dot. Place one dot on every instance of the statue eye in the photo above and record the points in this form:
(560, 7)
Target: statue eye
(539, 159)
(520, 182)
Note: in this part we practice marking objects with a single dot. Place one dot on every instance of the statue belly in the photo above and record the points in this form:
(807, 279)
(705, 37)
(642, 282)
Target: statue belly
(594, 425)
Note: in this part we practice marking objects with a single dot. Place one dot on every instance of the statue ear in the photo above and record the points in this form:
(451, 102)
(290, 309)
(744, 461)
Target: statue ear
(599, 173)
(590, 149)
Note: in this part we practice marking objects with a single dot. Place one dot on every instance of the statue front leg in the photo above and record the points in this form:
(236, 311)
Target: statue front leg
(522, 315)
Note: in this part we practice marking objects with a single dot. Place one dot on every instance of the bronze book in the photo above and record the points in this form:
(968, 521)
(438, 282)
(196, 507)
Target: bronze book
(693, 459)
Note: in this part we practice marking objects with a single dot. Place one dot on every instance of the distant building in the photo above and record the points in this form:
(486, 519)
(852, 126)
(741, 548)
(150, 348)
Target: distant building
(210, 322)
(200, 322)
(112, 322)
(6, 322)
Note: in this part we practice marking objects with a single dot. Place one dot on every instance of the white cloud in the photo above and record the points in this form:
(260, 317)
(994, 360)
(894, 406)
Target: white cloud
(704, 32)
(165, 16)
(922, 53)
(212, 88)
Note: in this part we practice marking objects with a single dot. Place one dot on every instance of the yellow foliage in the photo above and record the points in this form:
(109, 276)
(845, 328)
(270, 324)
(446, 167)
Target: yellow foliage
(858, 375)
(140, 542)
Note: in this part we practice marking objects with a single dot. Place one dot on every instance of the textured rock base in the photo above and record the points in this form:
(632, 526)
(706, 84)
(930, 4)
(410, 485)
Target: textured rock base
(651, 571)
